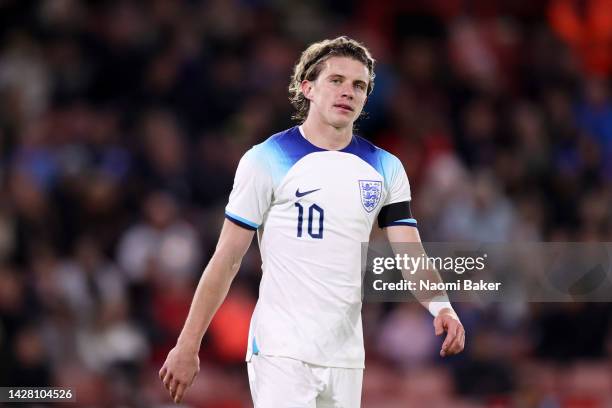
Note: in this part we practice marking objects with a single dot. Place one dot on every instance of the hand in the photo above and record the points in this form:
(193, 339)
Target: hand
(178, 371)
(448, 321)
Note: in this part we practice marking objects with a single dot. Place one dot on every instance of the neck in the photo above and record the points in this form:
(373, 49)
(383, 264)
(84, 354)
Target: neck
(326, 136)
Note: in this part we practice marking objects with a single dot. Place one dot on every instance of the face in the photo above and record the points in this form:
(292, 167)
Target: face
(338, 94)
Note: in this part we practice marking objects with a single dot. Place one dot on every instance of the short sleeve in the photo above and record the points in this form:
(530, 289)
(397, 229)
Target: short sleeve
(398, 185)
(251, 194)
(396, 209)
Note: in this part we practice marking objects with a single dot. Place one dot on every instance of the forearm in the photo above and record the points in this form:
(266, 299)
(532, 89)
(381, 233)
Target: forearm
(424, 273)
(406, 241)
(212, 289)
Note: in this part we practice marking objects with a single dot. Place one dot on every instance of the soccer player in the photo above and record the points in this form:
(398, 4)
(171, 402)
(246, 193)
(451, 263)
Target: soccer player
(312, 193)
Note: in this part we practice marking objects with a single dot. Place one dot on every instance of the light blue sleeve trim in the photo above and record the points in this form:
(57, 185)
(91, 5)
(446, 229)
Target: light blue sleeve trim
(255, 347)
(242, 220)
(411, 220)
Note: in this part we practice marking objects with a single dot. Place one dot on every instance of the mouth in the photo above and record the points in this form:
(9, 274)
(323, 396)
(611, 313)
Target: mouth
(344, 107)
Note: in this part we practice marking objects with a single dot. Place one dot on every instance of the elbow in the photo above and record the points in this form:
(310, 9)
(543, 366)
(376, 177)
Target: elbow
(235, 265)
(227, 261)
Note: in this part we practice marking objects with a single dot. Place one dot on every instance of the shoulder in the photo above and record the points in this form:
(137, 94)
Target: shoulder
(383, 161)
(276, 154)
(273, 147)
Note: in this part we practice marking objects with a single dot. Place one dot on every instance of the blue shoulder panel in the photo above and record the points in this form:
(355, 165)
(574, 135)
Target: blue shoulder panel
(282, 150)
(383, 162)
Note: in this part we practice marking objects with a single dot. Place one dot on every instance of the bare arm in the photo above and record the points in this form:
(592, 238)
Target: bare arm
(445, 318)
(399, 237)
(182, 363)
(215, 282)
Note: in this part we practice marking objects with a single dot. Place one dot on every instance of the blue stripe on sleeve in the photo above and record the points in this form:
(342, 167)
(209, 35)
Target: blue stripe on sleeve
(241, 221)
(411, 222)
(255, 347)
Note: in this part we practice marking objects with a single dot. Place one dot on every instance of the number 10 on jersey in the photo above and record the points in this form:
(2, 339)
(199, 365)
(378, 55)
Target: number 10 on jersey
(314, 211)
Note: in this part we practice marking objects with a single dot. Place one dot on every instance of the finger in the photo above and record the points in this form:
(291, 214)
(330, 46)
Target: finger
(173, 387)
(438, 326)
(163, 372)
(461, 345)
(444, 350)
(168, 380)
(178, 395)
(454, 347)
(451, 336)
(457, 345)
(457, 328)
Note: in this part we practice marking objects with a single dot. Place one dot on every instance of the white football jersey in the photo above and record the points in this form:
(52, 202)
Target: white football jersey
(312, 209)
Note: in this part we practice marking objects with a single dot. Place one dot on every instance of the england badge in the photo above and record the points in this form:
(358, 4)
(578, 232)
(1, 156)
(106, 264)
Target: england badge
(370, 192)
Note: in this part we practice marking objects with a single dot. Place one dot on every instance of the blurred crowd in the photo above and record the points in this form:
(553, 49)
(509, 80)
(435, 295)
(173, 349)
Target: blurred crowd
(121, 125)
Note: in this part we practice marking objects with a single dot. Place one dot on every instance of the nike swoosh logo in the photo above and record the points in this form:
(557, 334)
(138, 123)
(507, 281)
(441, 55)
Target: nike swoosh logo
(298, 194)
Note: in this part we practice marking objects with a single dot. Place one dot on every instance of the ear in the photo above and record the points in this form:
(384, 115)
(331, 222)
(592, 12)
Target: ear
(306, 87)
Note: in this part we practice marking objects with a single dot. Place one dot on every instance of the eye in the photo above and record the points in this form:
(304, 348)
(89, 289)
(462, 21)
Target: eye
(360, 86)
(335, 81)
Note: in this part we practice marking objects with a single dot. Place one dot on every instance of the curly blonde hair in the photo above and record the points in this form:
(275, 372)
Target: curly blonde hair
(310, 66)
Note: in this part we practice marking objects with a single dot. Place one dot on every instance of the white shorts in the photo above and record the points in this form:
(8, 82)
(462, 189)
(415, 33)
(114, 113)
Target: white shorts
(281, 382)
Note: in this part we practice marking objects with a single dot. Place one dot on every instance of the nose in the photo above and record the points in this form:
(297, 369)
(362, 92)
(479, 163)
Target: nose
(348, 92)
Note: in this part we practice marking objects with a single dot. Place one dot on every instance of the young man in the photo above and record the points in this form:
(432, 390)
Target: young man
(312, 193)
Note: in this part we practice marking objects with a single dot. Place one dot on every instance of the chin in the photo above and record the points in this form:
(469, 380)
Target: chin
(341, 123)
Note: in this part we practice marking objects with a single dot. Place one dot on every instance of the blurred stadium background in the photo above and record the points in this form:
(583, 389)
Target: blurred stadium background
(122, 122)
